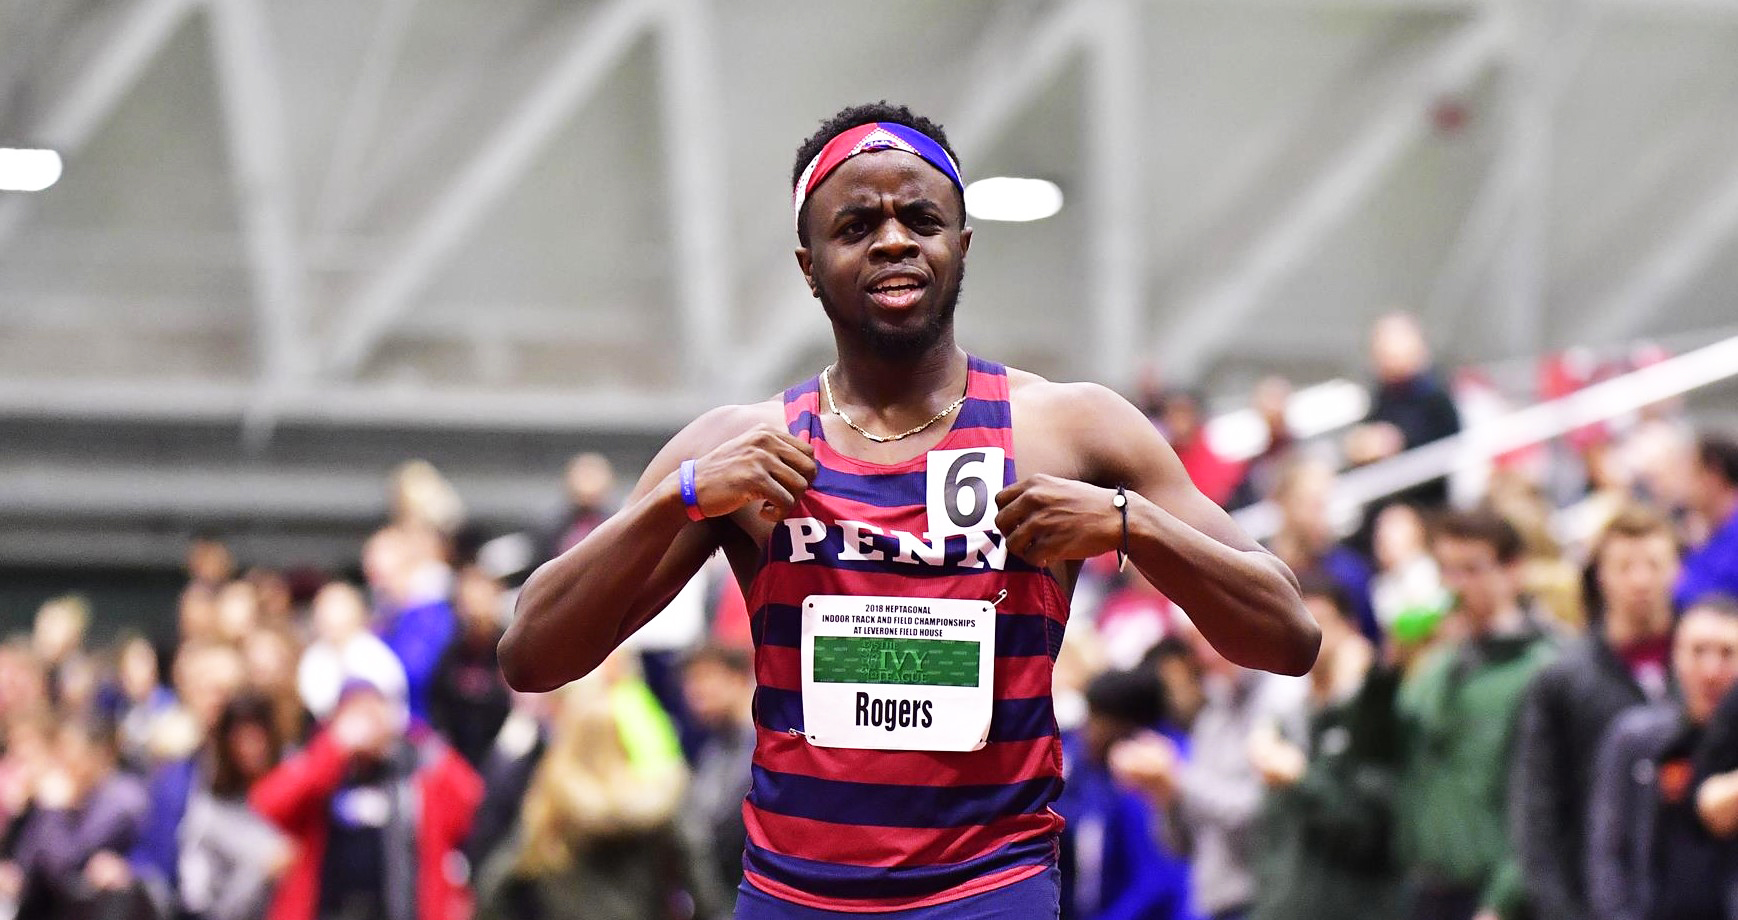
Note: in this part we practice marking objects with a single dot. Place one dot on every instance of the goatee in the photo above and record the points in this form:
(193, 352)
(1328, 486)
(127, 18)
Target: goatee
(899, 345)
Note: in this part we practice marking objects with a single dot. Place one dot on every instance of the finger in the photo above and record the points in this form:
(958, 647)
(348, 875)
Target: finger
(803, 463)
(794, 482)
(802, 447)
(770, 490)
(1007, 496)
(1012, 514)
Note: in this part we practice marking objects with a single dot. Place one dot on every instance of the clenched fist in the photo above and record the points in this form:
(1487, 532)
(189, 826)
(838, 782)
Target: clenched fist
(1047, 519)
(767, 465)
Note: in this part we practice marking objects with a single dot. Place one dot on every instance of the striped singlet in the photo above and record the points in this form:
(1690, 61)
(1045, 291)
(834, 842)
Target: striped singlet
(874, 830)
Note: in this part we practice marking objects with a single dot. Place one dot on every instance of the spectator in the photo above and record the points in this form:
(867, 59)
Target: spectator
(23, 683)
(209, 563)
(718, 684)
(237, 610)
(1306, 539)
(1622, 663)
(68, 860)
(377, 818)
(196, 613)
(343, 648)
(1648, 853)
(422, 499)
(1410, 408)
(1712, 568)
(1546, 577)
(591, 483)
(1212, 799)
(469, 699)
(58, 637)
(209, 675)
(1113, 868)
(1182, 416)
(598, 839)
(206, 674)
(272, 656)
(141, 699)
(1173, 661)
(1261, 474)
(228, 857)
(507, 769)
(412, 587)
(1329, 820)
(1133, 618)
(1408, 583)
(1458, 712)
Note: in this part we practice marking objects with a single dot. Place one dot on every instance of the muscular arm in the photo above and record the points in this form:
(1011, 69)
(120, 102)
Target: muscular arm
(1242, 598)
(576, 608)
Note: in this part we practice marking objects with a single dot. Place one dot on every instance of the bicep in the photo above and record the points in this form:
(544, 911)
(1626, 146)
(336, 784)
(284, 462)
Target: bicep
(1125, 449)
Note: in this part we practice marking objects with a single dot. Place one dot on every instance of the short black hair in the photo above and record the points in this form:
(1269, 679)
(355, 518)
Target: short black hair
(854, 116)
(1135, 697)
(1314, 583)
(1718, 453)
(1481, 525)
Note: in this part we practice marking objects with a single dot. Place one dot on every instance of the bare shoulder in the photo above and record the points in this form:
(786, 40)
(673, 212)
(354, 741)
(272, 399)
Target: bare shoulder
(725, 422)
(712, 428)
(1080, 430)
(1071, 404)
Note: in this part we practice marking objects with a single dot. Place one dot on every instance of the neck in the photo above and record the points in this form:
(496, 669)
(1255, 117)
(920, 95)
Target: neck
(1721, 509)
(896, 387)
(1624, 627)
(1505, 620)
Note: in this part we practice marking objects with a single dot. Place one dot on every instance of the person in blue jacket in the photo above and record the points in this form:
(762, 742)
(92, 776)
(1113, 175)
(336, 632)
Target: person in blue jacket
(1112, 865)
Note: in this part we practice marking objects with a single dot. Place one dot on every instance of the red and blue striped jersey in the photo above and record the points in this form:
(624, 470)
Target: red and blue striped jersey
(875, 830)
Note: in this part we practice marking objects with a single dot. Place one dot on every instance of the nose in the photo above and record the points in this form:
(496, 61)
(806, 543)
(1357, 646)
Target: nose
(892, 242)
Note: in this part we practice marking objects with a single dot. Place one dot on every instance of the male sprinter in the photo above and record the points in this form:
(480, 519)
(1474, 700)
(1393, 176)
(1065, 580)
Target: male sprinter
(907, 526)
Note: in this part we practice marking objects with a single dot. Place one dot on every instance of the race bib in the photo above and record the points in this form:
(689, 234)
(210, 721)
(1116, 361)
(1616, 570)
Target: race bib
(961, 487)
(898, 673)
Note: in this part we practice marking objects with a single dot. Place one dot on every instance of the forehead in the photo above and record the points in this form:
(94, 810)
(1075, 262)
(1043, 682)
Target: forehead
(869, 176)
(1700, 624)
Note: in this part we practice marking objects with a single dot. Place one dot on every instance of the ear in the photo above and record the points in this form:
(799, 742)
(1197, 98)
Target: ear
(965, 239)
(805, 262)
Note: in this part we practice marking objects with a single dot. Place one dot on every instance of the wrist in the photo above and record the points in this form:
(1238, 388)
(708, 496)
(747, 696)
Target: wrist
(689, 488)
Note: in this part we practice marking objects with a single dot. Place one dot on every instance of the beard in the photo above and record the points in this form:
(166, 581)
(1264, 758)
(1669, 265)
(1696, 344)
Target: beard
(899, 344)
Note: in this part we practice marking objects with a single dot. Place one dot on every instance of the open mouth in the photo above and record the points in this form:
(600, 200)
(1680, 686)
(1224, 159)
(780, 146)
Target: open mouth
(897, 293)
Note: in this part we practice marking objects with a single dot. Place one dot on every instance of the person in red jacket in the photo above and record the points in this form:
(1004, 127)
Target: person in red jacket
(377, 814)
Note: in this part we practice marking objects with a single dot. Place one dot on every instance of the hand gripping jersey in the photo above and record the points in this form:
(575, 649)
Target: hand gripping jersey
(884, 593)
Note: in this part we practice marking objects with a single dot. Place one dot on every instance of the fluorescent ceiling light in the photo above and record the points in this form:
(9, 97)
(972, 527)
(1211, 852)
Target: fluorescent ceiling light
(1006, 198)
(23, 170)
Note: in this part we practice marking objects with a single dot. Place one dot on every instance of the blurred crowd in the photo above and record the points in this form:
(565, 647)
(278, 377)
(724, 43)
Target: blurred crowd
(1523, 707)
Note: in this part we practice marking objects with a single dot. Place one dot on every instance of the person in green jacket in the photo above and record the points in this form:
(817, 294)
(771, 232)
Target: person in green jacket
(1457, 710)
(1328, 818)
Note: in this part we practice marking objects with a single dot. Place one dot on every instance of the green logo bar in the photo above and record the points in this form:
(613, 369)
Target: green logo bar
(921, 662)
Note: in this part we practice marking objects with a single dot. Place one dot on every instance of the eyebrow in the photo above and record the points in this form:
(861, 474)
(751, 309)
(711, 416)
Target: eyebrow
(869, 210)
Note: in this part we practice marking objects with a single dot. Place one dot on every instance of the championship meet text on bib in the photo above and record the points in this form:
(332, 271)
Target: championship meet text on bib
(898, 673)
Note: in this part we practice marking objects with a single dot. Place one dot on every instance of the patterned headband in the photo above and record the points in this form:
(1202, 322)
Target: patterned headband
(862, 139)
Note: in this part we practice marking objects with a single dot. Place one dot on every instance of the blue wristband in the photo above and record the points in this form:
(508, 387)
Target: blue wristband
(690, 493)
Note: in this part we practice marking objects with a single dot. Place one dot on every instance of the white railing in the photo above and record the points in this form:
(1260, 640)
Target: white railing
(1535, 424)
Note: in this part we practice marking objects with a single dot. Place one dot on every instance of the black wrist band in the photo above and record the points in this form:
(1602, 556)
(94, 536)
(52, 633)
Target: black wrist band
(1120, 501)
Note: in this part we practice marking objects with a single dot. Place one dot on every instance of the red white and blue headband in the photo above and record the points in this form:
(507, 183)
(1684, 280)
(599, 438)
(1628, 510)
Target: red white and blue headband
(879, 135)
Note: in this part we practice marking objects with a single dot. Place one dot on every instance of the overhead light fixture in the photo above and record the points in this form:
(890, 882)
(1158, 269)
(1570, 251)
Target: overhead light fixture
(1008, 198)
(27, 170)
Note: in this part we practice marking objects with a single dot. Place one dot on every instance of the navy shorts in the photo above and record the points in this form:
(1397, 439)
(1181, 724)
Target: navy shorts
(1036, 898)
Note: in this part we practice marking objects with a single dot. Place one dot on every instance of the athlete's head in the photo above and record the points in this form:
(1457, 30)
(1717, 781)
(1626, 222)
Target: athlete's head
(881, 227)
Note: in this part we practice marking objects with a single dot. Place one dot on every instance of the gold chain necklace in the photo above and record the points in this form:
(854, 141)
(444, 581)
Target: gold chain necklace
(827, 390)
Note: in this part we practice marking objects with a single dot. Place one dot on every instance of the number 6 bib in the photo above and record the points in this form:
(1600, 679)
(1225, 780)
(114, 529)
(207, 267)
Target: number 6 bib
(909, 673)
